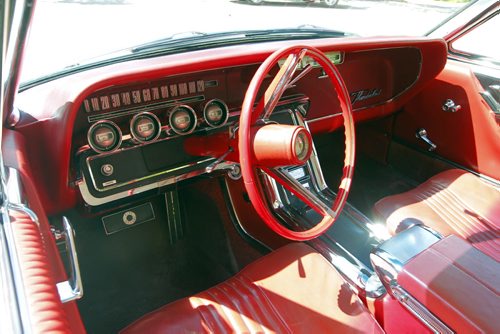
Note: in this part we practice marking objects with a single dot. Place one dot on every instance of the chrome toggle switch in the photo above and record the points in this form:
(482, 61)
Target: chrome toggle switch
(422, 134)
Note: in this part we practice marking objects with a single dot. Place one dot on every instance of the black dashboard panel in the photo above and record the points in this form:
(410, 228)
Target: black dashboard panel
(135, 167)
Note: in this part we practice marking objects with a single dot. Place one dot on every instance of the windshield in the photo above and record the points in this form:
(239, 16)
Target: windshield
(70, 32)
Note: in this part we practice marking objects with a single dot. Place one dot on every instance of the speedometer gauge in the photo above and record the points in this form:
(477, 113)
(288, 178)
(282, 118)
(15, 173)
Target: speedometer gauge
(145, 127)
(104, 136)
(215, 113)
(182, 120)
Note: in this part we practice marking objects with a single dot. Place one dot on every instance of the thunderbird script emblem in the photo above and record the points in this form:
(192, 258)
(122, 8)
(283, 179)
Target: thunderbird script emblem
(364, 94)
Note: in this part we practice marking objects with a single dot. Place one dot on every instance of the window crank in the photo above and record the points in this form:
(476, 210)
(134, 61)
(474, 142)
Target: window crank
(422, 134)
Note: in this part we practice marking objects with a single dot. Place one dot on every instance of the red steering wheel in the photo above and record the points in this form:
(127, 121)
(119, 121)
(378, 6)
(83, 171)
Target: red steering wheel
(267, 146)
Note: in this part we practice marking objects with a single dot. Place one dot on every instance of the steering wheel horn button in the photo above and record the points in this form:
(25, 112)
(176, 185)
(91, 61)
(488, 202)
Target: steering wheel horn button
(301, 145)
(277, 145)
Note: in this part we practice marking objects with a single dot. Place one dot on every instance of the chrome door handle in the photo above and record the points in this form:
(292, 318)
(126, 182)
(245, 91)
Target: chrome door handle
(422, 135)
(450, 106)
(71, 289)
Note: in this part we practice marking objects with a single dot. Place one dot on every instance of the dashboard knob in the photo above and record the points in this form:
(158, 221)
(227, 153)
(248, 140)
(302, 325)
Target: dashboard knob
(129, 218)
(107, 169)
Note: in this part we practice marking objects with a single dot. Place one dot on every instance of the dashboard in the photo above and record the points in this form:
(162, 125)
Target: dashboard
(123, 130)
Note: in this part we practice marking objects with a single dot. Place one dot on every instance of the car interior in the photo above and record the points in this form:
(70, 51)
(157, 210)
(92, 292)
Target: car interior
(334, 184)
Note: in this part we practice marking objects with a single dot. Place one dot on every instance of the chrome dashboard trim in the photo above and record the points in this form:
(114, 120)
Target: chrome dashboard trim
(118, 185)
(96, 201)
(319, 119)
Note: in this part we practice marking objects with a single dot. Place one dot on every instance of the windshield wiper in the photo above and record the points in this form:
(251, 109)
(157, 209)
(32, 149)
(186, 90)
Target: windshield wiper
(235, 37)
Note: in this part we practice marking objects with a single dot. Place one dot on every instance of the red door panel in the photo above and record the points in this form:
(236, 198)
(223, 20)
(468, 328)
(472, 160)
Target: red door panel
(470, 136)
(41, 264)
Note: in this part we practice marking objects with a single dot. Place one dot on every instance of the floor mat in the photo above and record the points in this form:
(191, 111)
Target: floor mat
(372, 179)
(130, 273)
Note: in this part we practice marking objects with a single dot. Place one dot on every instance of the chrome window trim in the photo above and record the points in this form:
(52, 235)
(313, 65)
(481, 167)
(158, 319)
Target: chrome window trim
(15, 317)
(471, 57)
(13, 190)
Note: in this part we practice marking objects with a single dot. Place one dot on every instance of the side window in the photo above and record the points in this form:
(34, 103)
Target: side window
(481, 42)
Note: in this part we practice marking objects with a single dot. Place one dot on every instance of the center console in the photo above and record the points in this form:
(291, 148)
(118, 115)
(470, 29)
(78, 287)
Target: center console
(446, 283)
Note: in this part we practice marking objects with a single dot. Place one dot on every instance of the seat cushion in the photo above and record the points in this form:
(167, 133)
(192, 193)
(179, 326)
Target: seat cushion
(452, 202)
(292, 290)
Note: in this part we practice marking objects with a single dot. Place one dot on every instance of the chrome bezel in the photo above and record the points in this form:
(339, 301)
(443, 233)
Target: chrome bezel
(135, 136)
(193, 114)
(224, 107)
(110, 123)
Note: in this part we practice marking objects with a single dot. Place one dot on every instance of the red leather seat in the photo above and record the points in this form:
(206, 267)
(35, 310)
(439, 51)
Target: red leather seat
(452, 202)
(292, 290)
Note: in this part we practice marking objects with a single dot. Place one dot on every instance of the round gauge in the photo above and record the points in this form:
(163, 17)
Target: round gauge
(104, 136)
(182, 120)
(145, 127)
(215, 113)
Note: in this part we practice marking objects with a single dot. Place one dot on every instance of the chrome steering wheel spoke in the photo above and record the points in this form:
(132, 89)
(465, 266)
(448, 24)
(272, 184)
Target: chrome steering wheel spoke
(280, 83)
(295, 187)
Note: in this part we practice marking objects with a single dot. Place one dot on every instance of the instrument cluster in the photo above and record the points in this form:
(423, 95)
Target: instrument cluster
(107, 136)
